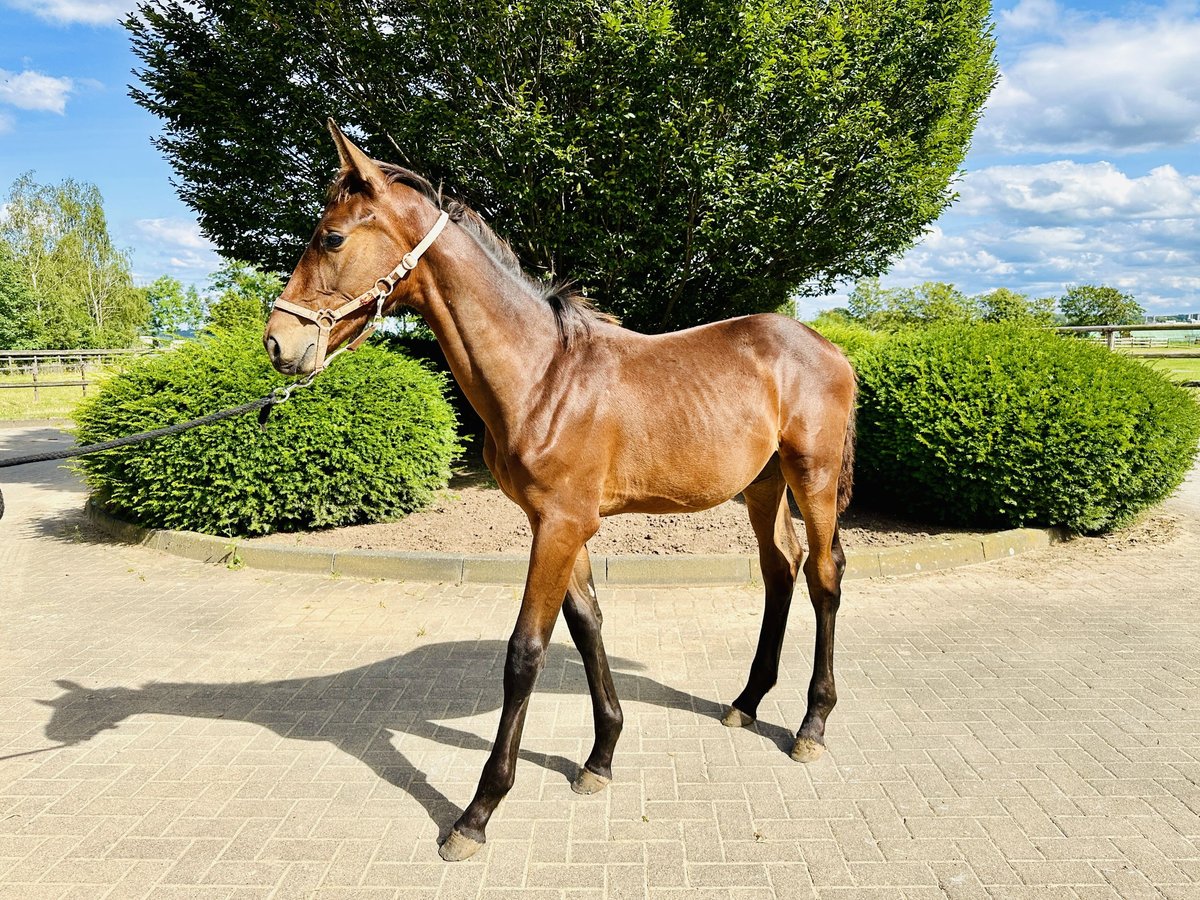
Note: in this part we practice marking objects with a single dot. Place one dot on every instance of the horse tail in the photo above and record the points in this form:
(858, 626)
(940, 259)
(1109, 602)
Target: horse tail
(846, 476)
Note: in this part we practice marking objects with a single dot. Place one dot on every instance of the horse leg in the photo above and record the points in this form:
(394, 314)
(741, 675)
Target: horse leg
(779, 558)
(556, 544)
(582, 612)
(814, 483)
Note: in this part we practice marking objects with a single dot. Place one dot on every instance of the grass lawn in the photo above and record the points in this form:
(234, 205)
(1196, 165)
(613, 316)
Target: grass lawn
(1177, 369)
(52, 403)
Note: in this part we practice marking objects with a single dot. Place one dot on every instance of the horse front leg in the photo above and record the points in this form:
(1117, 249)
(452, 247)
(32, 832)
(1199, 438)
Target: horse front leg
(556, 544)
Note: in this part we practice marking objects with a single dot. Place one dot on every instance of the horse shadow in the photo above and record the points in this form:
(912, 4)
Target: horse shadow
(358, 710)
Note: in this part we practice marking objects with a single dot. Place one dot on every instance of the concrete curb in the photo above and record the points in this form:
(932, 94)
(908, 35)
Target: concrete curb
(607, 570)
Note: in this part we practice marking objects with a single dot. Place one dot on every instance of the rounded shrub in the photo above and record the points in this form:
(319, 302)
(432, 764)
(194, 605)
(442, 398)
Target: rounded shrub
(371, 439)
(854, 339)
(998, 425)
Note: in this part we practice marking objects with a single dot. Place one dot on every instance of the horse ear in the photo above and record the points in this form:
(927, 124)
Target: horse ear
(355, 161)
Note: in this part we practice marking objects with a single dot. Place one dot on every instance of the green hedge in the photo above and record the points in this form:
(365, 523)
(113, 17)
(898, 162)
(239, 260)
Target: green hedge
(370, 440)
(998, 425)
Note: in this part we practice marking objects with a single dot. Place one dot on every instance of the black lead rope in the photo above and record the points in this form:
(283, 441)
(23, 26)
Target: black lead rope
(263, 406)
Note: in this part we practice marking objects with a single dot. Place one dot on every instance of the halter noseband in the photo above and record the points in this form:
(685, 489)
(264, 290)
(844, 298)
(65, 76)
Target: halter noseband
(325, 319)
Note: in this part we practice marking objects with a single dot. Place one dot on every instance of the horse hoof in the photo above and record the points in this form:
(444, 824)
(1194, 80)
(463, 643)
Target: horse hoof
(588, 782)
(458, 847)
(735, 718)
(807, 750)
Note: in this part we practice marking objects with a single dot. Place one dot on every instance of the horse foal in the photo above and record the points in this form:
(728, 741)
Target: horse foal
(585, 419)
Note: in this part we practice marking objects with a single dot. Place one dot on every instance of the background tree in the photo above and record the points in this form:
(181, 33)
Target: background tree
(930, 303)
(1004, 305)
(1089, 304)
(173, 308)
(17, 304)
(684, 160)
(241, 294)
(82, 290)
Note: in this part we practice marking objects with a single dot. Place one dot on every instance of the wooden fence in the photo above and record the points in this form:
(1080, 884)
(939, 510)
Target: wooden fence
(37, 369)
(1122, 336)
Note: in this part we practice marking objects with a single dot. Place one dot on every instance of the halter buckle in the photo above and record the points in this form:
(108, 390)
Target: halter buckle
(326, 319)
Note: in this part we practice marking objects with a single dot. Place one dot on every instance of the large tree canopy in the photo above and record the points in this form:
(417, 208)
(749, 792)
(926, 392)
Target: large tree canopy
(683, 160)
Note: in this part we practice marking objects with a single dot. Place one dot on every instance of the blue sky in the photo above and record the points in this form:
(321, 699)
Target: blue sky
(1084, 169)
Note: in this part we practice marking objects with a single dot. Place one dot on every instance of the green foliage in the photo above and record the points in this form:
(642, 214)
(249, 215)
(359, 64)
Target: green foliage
(370, 440)
(18, 306)
(939, 303)
(173, 308)
(890, 309)
(999, 425)
(1004, 305)
(855, 339)
(1089, 304)
(80, 284)
(684, 161)
(241, 295)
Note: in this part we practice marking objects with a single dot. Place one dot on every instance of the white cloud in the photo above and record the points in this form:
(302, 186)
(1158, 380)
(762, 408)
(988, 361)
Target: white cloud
(193, 262)
(172, 246)
(174, 232)
(6, 125)
(1069, 192)
(1118, 85)
(1030, 15)
(72, 12)
(33, 90)
(1040, 228)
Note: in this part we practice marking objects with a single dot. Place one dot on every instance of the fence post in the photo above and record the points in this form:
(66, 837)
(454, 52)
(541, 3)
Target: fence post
(83, 373)
(1111, 338)
(35, 375)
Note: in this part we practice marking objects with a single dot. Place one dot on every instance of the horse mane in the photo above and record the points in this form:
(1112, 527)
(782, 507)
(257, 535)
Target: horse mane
(573, 313)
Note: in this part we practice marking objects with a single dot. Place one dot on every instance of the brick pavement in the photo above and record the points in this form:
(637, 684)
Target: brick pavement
(1026, 728)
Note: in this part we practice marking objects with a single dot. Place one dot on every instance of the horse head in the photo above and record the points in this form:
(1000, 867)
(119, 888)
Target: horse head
(361, 260)
(82, 713)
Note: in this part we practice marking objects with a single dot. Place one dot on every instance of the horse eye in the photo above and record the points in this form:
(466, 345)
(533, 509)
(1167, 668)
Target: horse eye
(332, 241)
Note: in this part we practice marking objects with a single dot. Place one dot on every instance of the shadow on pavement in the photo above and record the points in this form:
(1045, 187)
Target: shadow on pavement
(357, 710)
(52, 476)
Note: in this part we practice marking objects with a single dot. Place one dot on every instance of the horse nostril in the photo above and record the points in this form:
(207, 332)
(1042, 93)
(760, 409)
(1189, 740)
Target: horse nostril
(273, 349)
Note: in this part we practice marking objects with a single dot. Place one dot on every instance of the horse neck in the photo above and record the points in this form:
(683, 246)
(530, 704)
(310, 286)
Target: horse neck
(498, 336)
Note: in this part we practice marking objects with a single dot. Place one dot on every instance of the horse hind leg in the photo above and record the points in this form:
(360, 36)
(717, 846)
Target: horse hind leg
(814, 483)
(779, 558)
(582, 612)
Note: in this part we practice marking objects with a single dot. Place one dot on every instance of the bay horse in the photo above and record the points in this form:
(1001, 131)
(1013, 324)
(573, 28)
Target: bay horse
(586, 419)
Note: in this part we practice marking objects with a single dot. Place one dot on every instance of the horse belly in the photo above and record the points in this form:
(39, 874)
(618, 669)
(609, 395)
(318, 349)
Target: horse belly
(687, 466)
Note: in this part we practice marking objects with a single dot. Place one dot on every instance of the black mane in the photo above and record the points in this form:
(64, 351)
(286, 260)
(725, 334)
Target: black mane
(573, 312)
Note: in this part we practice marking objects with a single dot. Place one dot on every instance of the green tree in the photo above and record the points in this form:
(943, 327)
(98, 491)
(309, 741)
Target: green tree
(940, 303)
(173, 308)
(1089, 304)
(683, 160)
(930, 303)
(868, 301)
(241, 294)
(1004, 305)
(83, 293)
(17, 304)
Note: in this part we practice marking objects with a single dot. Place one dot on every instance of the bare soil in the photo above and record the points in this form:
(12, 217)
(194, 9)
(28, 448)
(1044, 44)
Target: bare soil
(472, 516)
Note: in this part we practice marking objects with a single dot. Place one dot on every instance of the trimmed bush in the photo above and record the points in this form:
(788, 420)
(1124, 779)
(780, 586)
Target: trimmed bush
(370, 440)
(996, 425)
(854, 339)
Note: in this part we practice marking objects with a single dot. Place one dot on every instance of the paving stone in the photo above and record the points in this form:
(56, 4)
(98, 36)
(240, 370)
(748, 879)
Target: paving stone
(1026, 727)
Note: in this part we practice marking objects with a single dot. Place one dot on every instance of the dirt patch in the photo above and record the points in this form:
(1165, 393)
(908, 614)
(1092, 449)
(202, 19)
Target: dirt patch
(472, 516)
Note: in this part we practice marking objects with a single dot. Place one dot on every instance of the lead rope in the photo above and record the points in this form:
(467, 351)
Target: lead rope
(263, 406)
